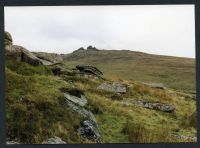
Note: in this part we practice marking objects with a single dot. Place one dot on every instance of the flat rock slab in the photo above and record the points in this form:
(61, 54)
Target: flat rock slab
(113, 87)
(151, 105)
(88, 68)
(82, 101)
(52, 58)
(45, 62)
(91, 70)
(81, 110)
(55, 140)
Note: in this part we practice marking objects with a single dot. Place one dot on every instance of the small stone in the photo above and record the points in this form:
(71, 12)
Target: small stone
(113, 87)
(151, 105)
(55, 140)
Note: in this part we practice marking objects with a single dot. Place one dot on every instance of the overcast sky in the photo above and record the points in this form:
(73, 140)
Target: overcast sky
(158, 29)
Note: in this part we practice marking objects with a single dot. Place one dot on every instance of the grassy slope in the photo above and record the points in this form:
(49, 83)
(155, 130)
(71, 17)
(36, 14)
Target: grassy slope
(41, 113)
(120, 123)
(174, 72)
(35, 106)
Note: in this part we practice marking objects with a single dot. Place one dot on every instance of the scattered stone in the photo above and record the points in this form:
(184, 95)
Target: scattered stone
(151, 105)
(186, 138)
(155, 85)
(113, 87)
(12, 142)
(89, 130)
(76, 96)
(90, 70)
(55, 140)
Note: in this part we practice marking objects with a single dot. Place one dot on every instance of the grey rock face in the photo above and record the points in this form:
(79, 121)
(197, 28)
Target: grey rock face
(8, 38)
(155, 85)
(76, 101)
(55, 140)
(49, 58)
(113, 87)
(81, 110)
(19, 53)
(89, 130)
(80, 100)
(90, 70)
(45, 62)
(151, 105)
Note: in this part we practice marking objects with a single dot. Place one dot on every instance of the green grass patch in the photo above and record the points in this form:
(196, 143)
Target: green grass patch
(35, 109)
(111, 128)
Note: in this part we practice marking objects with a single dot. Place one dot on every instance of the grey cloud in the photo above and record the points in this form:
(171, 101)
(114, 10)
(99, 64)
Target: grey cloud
(167, 30)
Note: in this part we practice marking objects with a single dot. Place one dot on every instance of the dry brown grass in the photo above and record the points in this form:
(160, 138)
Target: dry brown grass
(139, 133)
(160, 94)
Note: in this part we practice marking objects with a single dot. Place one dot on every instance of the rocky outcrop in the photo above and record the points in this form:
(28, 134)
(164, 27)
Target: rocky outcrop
(90, 70)
(79, 50)
(19, 53)
(49, 58)
(155, 85)
(89, 130)
(76, 101)
(91, 48)
(113, 87)
(54, 140)
(8, 39)
(150, 105)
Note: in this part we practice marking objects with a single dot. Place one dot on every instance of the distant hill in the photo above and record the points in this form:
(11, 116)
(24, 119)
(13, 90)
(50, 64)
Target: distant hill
(175, 72)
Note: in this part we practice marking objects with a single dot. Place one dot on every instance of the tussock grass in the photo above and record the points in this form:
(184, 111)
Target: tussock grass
(161, 95)
(35, 109)
(139, 133)
(26, 69)
(190, 120)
